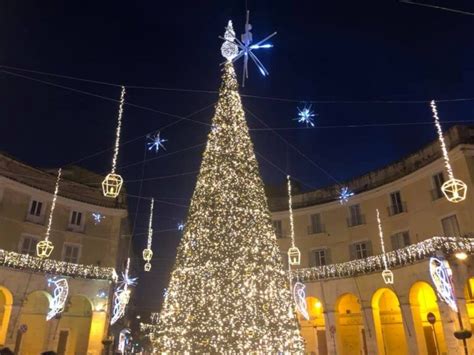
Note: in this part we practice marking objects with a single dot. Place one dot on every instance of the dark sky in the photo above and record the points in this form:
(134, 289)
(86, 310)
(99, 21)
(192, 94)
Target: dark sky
(325, 51)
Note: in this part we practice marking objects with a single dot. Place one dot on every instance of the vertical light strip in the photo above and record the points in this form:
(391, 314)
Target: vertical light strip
(117, 132)
(382, 243)
(290, 208)
(447, 163)
(53, 206)
(150, 222)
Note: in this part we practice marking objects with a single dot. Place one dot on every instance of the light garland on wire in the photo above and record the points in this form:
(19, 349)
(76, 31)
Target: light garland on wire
(387, 274)
(441, 275)
(122, 295)
(454, 190)
(148, 253)
(294, 254)
(60, 293)
(19, 261)
(228, 292)
(45, 247)
(400, 257)
(113, 182)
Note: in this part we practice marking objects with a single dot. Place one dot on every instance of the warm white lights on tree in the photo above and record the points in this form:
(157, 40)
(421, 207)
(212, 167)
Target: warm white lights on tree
(148, 253)
(122, 295)
(60, 293)
(228, 292)
(453, 189)
(387, 274)
(113, 182)
(294, 255)
(441, 275)
(45, 247)
(299, 296)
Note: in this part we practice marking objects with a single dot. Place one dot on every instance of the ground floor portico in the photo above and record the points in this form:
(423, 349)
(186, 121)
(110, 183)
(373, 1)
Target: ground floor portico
(363, 315)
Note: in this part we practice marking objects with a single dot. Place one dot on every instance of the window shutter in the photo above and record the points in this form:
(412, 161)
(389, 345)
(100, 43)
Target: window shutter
(406, 239)
(352, 252)
(369, 248)
(328, 256)
(394, 241)
(311, 258)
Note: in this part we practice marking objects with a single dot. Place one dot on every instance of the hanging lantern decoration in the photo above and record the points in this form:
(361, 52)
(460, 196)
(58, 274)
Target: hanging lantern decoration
(387, 274)
(148, 253)
(113, 182)
(294, 255)
(45, 247)
(454, 190)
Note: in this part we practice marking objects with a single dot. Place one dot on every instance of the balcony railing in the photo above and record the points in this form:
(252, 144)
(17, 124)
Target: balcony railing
(356, 220)
(397, 209)
(436, 194)
(317, 228)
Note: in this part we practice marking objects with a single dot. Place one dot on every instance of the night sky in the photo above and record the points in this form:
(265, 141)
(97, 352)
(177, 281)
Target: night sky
(348, 56)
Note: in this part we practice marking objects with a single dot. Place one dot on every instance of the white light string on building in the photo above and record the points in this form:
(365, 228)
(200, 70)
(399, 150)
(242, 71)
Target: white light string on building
(387, 274)
(113, 182)
(453, 189)
(122, 295)
(400, 257)
(45, 247)
(19, 261)
(294, 254)
(60, 293)
(148, 253)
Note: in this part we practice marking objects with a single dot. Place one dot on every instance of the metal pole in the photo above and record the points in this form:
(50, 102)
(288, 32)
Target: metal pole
(464, 342)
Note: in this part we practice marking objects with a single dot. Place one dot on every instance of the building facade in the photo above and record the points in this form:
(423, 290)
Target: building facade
(90, 235)
(351, 309)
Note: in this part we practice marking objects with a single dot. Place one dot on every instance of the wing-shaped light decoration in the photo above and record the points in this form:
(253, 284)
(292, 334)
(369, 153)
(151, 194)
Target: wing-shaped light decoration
(441, 275)
(299, 296)
(122, 295)
(60, 293)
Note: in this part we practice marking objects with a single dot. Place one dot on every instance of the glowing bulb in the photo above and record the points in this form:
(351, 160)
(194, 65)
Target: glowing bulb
(461, 255)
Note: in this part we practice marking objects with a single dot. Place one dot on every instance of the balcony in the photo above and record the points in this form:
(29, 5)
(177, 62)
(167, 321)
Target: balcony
(436, 194)
(397, 209)
(356, 220)
(316, 229)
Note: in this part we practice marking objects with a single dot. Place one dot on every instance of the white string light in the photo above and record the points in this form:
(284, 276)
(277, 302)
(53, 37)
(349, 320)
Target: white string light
(294, 254)
(45, 247)
(387, 274)
(113, 182)
(453, 189)
(148, 253)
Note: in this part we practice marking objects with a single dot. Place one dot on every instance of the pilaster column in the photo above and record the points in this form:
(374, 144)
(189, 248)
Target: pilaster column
(97, 332)
(330, 322)
(369, 326)
(414, 345)
(449, 325)
(13, 325)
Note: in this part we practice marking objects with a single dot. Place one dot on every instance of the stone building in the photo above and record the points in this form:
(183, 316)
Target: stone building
(351, 309)
(90, 234)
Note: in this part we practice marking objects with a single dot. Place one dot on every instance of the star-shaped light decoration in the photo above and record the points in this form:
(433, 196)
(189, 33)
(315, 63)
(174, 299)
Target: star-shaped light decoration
(246, 48)
(98, 217)
(156, 142)
(344, 195)
(306, 115)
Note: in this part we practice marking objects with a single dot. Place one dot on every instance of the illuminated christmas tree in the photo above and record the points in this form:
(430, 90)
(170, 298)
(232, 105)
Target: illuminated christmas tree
(228, 291)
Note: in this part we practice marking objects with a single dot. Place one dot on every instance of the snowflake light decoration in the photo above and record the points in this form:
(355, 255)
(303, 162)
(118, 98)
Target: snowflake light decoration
(344, 195)
(246, 48)
(60, 293)
(306, 115)
(165, 292)
(156, 142)
(180, 226)
(122, 295)
(98, 217)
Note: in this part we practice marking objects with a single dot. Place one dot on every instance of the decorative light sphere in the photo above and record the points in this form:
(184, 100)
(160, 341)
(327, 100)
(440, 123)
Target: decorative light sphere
(454, 190)
(388, 276)
(294, 256)
(111, 185)
(44, 249)
(229, 49)
(147, 267)
(147, 254)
